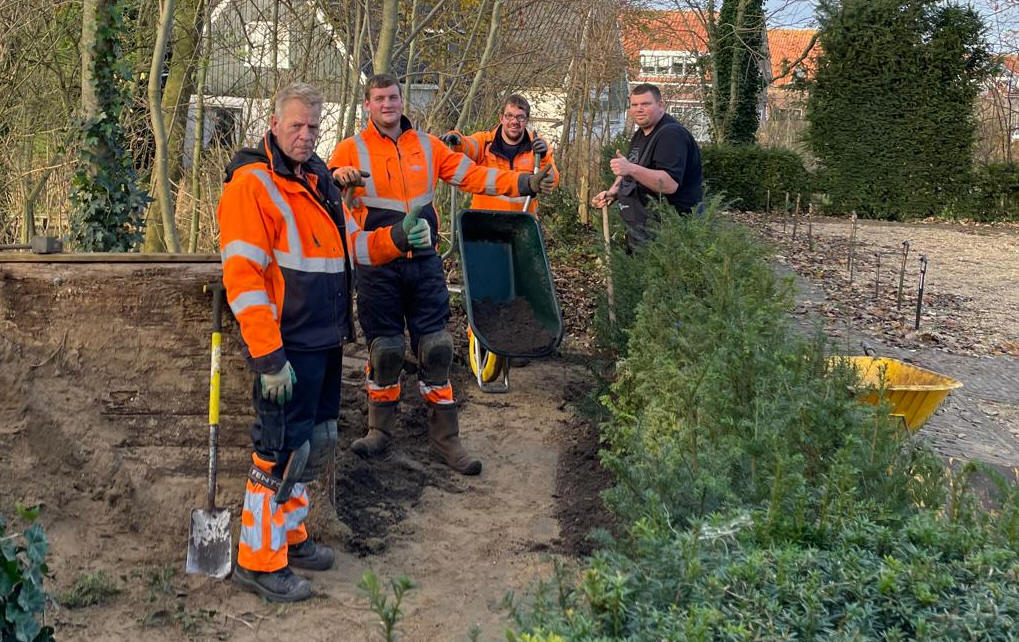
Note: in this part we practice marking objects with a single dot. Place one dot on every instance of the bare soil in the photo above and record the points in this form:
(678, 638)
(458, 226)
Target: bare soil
(103, 406)
(511, 326)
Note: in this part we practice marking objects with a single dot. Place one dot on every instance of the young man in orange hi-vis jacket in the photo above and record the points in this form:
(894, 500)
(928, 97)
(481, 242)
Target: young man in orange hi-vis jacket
(509, 146)
(284, 240)
(403, 166)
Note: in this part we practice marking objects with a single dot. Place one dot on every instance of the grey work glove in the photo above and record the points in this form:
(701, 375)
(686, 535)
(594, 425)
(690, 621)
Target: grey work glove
(539, 146)
(349, 176)
(543, 182)
(279, 386)
(451, 139)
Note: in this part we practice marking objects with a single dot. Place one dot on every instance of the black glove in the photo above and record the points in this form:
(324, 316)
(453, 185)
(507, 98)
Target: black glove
(539, 146)
(542, 182)
(451, 139)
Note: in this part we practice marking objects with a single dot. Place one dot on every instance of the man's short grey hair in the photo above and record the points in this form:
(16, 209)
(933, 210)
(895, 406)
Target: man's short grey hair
(301, 91)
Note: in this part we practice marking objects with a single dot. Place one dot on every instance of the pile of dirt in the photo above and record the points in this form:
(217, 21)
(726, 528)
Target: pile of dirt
(511, 327)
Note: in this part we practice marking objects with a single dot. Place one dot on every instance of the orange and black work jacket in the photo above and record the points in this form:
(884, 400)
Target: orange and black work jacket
(488, 148)
(285, 264)
(404, 173)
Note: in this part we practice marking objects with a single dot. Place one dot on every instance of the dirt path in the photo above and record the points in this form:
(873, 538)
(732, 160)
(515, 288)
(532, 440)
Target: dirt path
(968, 326)
(102, 411)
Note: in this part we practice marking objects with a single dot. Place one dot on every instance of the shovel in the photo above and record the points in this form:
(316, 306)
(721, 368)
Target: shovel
(608, 265)
(210, 551)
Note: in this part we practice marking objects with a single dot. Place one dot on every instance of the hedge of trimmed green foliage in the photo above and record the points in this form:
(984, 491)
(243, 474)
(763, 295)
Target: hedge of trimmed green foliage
(756, 497)
(996, 192)
(745, 174)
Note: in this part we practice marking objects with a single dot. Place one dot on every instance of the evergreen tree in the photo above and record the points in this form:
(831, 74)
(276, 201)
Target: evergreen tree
(891, 113)
(737, 51)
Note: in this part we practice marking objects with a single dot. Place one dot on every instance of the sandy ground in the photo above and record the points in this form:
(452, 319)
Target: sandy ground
(103, 395)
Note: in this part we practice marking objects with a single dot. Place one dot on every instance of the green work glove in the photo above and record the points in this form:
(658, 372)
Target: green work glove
(419, 234)
(279, 387)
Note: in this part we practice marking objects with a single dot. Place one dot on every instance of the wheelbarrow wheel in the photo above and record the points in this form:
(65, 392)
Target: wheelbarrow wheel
(491, 363)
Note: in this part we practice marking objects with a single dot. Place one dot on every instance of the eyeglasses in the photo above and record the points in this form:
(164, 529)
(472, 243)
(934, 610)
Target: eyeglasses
(519, 119)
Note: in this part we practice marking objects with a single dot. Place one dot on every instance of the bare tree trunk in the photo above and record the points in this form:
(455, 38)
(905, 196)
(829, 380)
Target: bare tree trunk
(493, 32)
(275, 46)
(89, 99)
(160, 173)
(410, 52)
(196, 151)
(355, 72)
(387, 34)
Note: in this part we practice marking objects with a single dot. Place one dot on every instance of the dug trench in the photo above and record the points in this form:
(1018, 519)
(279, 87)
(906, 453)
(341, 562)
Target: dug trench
(103, 411)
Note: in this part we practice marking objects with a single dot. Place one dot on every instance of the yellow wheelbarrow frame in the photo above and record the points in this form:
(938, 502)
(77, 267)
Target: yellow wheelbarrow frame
(913, 392)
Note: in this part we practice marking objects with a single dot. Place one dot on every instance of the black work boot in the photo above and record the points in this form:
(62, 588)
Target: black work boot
(311, 556)
(444, 437)
(381, 419)
(277, 586)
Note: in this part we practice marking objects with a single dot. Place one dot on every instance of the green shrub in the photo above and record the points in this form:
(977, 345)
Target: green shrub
(996, 192)
(22, 568)
(758, 498)
(745, 174)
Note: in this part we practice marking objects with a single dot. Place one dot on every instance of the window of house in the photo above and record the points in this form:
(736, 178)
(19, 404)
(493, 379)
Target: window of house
(673, 64)
(259, 46)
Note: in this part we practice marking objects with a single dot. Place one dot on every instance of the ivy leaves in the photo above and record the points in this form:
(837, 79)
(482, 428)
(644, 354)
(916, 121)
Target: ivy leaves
(22, 569)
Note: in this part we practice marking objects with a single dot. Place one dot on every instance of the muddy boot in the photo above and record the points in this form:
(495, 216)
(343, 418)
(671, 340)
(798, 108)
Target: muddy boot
(381, 419)
(444, 437)
(278, 586)
(311, 556)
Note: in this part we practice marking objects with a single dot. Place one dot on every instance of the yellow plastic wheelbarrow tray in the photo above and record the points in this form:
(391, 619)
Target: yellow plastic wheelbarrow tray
(913, 392)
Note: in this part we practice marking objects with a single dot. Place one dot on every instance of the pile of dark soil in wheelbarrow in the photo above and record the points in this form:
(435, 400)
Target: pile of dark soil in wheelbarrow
(511, 327)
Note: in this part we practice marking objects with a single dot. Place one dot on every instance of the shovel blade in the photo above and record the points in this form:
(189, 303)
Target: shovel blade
(210, 551)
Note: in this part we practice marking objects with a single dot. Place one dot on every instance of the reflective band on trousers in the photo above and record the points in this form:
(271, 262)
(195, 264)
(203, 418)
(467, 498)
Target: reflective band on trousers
(257, 504)
(294, 259)
(436, 394)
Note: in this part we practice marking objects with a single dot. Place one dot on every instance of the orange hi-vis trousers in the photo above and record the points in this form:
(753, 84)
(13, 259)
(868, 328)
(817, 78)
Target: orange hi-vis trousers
(380, 394)
(267, 529)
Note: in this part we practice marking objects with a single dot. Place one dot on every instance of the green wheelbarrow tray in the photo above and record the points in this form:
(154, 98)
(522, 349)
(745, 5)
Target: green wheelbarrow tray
(503, 258)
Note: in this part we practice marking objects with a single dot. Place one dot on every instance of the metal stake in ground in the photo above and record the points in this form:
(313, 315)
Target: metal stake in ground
(796, 216)
(810, 226)
(852, 248)
(902, 274)
(785, 212)
(877, 278)
(919, 296)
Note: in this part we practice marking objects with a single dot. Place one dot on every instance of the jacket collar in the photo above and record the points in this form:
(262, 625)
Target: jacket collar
(405, 126)
(499, 147)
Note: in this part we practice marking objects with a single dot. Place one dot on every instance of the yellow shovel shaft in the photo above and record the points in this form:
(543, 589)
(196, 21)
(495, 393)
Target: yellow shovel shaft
(214, 379)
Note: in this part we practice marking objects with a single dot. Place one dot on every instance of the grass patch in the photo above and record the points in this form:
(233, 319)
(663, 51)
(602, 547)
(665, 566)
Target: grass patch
(90, 589)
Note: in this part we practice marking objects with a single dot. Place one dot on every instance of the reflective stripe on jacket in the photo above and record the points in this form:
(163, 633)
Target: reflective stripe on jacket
(480, 148)
(404, 173)
(284, 258)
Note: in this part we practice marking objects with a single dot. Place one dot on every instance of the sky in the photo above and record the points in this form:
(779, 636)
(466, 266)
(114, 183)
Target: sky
(1002, 18)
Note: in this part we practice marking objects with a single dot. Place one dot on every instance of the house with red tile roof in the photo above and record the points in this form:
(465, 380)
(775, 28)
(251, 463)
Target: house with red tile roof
(667, 48)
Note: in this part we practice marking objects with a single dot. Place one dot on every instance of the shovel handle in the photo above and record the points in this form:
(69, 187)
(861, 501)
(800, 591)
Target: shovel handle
(608, 266)
(214, 371)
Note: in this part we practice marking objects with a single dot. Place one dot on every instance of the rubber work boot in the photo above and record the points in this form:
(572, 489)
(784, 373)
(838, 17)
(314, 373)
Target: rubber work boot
(277, 586)
(311, 556)
(444, 437)
(381, 419)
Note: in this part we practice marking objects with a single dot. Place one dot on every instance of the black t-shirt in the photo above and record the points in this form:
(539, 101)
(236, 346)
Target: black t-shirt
(674, 150)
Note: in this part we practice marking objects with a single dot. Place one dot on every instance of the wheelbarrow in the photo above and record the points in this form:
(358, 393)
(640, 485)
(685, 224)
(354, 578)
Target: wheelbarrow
(508, 291)
(913, 392)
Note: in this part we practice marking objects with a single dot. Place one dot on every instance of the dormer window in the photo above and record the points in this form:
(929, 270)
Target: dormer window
(672, 64)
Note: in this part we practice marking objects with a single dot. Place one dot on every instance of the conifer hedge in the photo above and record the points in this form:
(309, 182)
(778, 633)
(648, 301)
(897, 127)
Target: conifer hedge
(890, 113)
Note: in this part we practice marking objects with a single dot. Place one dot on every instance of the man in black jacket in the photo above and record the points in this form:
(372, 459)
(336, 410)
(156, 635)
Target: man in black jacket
(663, 161)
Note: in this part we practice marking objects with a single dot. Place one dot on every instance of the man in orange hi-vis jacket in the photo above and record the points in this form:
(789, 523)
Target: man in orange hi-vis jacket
(404, 165)
(284, 240)
(508, 146)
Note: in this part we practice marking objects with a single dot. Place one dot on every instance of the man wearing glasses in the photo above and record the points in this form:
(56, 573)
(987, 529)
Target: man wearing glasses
(509, 146)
